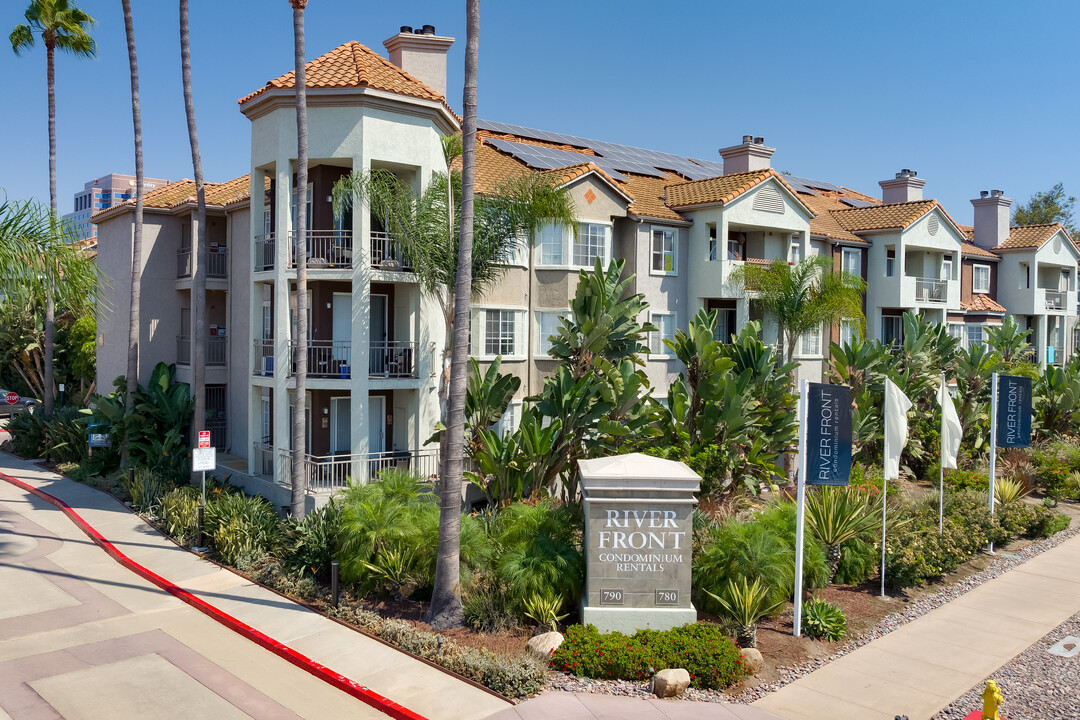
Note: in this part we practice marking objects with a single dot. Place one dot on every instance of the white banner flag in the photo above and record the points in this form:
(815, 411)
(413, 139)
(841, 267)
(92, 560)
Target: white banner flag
(951, 431)
(896, 409)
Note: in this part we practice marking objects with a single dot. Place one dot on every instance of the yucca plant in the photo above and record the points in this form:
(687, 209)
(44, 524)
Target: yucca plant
(396, 570)
(836, 515)
(744, 604)
(543, 608)
(1009, 490)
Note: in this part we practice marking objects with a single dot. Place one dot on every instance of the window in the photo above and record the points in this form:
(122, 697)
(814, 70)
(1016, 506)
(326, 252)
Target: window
(307, 215)
(590, 244)
(1025, 276)
(497, 331)
(795, 254)
(712, 244)
(974, 334)
(946, 268)
(547, 324)
(956, 330)
(811, 342)
(725, 325)
(663, 250)
(551, 244)
(980, 278)
(890, 263)
(1064, 284)
(510, 420)
(848, 332)
(851, 261)
(892, 330)
(665, 322)
(734, 248)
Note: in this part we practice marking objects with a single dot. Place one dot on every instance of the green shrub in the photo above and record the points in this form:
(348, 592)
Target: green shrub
(486, 608)
(513, 677)
(180, 513)
(743, 551)
(823, 619)
(146, 489)
(743, 604)
(957, 480)
(243, 527)
(313, 541)
(710, 657)
(859, 560)
(66, 435)
(28, 434)
(1054, 465)
(1046, 523)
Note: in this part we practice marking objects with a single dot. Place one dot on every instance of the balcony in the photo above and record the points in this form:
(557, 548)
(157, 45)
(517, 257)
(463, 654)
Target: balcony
(333, 359)
(916, 290)
(1054, 299)
(265, 248)
(183, 350)
(327, 249)
(217, 350)
(386, 253)
(392, 360)
(264, 357)
(217, 263)
(325, 358)
(332, 472)
(934, 291)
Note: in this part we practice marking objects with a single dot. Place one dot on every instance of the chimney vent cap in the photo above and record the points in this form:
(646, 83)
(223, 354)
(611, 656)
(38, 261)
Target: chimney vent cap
(429, 29)
(748, 138)
(759, 141)
(996, 193)
(984, 193)
(407, 29)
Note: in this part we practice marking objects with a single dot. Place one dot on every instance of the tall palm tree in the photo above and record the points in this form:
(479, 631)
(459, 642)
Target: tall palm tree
(63, 27)
(198, 280)
(299, 414)
(446, 608)
(136, 244)
(802, 296)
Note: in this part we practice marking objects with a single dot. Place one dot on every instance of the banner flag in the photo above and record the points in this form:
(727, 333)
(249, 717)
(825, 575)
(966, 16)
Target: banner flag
(951, 431)
(1014, 412)
(828, 434)
(896, 409)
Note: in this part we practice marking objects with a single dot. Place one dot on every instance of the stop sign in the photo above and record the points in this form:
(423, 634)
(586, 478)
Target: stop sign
(12, 398)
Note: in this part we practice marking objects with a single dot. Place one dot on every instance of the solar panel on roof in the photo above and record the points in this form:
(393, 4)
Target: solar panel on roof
(857, 203)
(817, 184)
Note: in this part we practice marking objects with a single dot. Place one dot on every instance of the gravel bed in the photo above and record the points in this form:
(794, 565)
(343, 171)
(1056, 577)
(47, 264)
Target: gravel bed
(1060, 685)
(1036, 684)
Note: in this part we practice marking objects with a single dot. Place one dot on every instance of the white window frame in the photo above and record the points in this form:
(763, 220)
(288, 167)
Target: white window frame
(846, 253)
(567, 242)
(975, 287)
(946, 268)
(890, 263)
(956, 330)
(674, 252)
(795, 252)
(899, 320)
(848, 332)
(510, 420)
(811, 338)
(657, 349)
(548, 234)
(968, 327)
(540, 339)
(581, 239)
(518, 256)
(478, 333)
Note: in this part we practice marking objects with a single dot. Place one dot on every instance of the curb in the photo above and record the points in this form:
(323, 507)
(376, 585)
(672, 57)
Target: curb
(380, 703)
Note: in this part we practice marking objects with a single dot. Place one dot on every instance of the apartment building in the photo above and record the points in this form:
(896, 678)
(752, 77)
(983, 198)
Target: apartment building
(103, 193)
(683, 225)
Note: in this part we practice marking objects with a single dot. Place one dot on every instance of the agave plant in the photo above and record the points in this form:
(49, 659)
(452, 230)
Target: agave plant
(744, 604)
(543, 608)
(1009, 490)
(836, 515)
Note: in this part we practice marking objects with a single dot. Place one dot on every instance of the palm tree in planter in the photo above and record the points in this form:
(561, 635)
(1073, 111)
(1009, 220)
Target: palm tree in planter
(63, 27)
(744, 604)
(136, 245)
(802, 296)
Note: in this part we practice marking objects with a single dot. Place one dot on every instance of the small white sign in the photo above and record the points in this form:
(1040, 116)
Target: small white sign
(203, 459)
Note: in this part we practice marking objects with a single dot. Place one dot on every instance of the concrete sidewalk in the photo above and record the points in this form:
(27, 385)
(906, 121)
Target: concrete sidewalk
(921, 667)
(31, 597)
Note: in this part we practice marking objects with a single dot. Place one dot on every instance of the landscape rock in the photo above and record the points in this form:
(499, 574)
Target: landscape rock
(542, 646)
(752, 660)
(670, 683)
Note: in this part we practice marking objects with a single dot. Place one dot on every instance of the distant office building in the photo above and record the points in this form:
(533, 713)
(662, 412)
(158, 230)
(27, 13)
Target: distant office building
(103, 193)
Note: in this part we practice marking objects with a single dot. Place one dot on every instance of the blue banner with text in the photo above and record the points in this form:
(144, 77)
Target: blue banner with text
(828, 434)
(1014, 411)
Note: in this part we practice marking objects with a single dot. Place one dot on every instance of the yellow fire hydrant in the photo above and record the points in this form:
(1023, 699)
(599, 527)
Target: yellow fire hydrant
(992, 699)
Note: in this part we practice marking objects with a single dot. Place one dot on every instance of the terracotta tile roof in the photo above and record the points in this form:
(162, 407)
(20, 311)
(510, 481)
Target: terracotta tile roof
(760, 261)
(563, 175)
(648, 194)
(183, 191)
(982, 303)
(1029, 236)
(825, 224)
(884, 217)
(968, 230)
(720, 189)
(973, 249)
(353, 65)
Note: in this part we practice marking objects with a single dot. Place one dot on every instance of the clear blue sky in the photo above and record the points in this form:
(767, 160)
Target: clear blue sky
(971, 95)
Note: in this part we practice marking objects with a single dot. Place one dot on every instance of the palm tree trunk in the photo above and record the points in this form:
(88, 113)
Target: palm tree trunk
(299, 415)
(445, 608)
(50, 303)
(198, 280)
(136, 245)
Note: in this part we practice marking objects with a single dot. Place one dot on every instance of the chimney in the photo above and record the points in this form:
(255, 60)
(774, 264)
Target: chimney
(750, 154)
(906, 187)
(991, 218)
(422, 54)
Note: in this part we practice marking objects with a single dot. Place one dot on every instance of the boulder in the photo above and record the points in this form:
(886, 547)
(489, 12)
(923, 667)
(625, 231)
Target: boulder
(752, 660)
(542, 646)
(670, 683)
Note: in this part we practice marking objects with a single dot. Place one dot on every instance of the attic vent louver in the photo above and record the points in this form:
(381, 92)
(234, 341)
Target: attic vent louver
(769, 199)
(932, 225)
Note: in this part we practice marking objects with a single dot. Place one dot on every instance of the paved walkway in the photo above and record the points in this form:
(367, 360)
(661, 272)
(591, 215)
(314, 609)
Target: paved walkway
(585, 706)
(82, 637)
(923, 666)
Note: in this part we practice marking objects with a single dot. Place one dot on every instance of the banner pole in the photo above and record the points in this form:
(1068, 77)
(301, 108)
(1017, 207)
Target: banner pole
(993, 445)
(800, 505)
(884, 486)
(941, 465)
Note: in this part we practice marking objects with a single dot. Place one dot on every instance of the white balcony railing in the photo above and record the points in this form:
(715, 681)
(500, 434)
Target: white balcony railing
(265, 247)
(1055, 299)
(329, 249)
(331, 472)
(929, 290)
(386, 253)
(264, 357)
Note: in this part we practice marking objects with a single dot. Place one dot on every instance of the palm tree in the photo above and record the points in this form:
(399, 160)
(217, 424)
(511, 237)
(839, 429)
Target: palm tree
(299, 415)
(136, 245)
(802, 296)
(65, 27)
(198, 280)
(445, 610)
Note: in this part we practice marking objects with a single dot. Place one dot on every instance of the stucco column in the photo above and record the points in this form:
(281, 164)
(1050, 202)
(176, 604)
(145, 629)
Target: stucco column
(361, 320)
(254, 392)
(281, 318)
(1044, 340)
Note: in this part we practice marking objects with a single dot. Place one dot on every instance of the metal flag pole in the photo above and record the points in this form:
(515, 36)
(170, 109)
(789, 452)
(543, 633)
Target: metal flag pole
(944, 395)
(884, 485)
(800, 505)
(993, 444)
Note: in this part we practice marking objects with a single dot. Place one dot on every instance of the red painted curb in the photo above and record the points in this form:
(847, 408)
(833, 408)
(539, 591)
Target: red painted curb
(303, 662)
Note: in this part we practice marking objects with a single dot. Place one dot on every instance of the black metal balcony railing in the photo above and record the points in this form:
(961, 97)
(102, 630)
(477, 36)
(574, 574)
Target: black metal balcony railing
(929, 290)
(265, 247)
(1055, 300)
(264, 357)
(183, 263)
(386, 253)
(393, 359)
(217, 262)
(325, 248)
(326, 358)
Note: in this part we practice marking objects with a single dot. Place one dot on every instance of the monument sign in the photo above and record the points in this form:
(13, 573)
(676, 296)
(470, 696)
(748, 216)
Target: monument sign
(638, 528)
